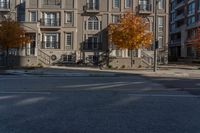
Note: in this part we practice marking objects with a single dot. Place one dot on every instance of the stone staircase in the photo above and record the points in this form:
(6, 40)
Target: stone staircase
(44, 58)
(147, 57)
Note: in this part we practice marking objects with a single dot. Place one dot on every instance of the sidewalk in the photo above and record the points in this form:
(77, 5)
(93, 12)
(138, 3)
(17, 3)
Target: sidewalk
(164, 71)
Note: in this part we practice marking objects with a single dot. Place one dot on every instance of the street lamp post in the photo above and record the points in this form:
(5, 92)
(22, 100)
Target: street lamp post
(155, 36)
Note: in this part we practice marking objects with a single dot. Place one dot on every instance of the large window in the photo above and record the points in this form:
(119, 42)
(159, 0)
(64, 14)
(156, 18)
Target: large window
(51, 19)
(69, 40)
(93, 23)
(4, 4)
(127, 3)
(115, 18)
(160, 24)
(93, 4)
(161, 4)
(33, 16)
(191, 8)
(51, 40)
(191, 20)
(69, 17)
(116, 3)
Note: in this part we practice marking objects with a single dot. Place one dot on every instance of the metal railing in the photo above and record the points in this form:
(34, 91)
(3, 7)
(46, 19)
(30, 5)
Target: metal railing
(43, 57)
(92, 6)
(50, 45)
(92, 46)
(147, 58)
(52, 2)
(50, 22)
(4, 5)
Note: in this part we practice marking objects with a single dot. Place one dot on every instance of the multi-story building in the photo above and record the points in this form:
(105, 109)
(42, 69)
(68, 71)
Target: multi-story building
(184, 21)
(73, 30)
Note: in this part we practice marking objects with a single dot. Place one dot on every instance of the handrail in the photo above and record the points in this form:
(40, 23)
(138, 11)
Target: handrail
(147, 58)
(45, 58)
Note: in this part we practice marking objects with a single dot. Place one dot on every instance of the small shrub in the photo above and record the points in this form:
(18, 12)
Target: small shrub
(123, 66)
(109, 66)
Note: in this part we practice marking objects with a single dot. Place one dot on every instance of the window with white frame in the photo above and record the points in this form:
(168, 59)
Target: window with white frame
(160, 24)
(69, 17)
(116, 3)
(33, 16)
(69, 40)
(68, 58)
(160, 41)
(127, 3)
(115, 18)
(161, 4)
(93, 23)
(50, 40)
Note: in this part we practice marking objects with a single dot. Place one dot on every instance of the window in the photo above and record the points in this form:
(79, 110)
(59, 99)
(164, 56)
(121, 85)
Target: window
(191, 20)
(51, 19)
(116, 3)
(68, 58)
(127, 3)
(69, 17)
(93, 23)
(92, 42)
(160, 24)
(33, 16)
(4, 4)
(115, 18)
(191, 8)
(161, 4)
(198, 4)
(51, 2)
(93, 4)
(160, 41)
(69, 40)
(51, 40)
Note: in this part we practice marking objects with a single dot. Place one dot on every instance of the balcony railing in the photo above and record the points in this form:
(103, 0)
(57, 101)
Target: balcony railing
(92, 46)
(145, 8)
(50, 45)
(50, 22)
(4, 5)
(91, 7)
(52, 2)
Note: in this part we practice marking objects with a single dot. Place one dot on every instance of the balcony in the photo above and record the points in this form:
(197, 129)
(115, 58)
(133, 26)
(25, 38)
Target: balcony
(50, 22)
(145, 9)
(91, 8)
(180, 4)
(180, 16)
(4, 6)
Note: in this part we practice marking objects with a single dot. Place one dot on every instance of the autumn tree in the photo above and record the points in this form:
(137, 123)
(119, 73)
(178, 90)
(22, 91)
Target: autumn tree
(12, 35)
(194, 40)
(130, 33)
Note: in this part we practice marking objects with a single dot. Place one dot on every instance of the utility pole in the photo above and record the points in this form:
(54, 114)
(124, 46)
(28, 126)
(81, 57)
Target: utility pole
(155, 35)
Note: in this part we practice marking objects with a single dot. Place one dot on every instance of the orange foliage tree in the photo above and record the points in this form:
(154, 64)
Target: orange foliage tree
(12, 35)
(195, 40)
(130, 33)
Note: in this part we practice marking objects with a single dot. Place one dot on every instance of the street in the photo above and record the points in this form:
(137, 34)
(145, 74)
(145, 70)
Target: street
(104, 104)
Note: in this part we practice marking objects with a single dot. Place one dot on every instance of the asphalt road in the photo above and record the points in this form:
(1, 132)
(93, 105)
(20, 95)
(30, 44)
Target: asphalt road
(121, 104)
